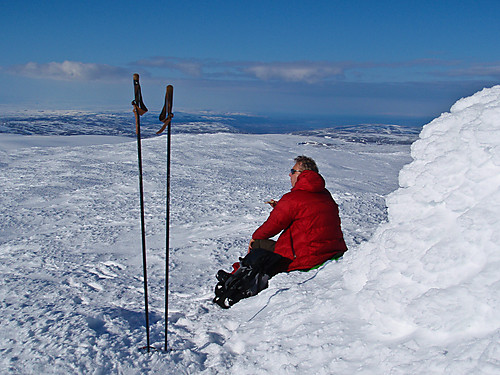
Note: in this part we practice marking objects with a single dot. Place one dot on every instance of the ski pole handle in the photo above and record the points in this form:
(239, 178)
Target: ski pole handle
(166, 113)
(138, 104)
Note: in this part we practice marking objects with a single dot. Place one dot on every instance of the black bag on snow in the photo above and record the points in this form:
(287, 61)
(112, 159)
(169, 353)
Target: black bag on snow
(255, 270)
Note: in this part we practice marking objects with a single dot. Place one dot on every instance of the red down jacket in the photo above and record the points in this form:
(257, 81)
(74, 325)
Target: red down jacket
(309, 219)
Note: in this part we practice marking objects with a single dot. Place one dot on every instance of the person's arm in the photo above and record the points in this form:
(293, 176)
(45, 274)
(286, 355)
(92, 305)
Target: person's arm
(279, 219)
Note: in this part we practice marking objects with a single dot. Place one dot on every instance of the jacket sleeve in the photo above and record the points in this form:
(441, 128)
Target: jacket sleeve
(279, 219)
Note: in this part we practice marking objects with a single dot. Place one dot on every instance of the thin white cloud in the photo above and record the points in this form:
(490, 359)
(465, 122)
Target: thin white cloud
(69, 71)
(477, 70)
(191, 67)
(309, 72)
(302, 71)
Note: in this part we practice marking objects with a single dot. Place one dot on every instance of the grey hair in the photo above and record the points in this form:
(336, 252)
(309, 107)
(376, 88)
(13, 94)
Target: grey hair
(306, 163)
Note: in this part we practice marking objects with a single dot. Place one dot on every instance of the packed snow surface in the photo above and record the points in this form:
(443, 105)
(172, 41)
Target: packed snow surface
(417, 292)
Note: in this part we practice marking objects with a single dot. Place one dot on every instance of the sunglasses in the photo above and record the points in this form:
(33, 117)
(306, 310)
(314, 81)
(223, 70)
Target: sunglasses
(293, 171)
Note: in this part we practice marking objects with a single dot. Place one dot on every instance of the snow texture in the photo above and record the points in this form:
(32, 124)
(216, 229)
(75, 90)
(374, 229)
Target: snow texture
(429, 279)
(417, 292)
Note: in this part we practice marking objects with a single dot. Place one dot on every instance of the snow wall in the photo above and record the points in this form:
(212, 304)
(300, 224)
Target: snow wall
(432, 272)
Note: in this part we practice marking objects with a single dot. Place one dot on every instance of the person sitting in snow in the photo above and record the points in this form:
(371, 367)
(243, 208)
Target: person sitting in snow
(307, 218)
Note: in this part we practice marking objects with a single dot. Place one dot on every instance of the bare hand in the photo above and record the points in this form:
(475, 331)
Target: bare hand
(272, 203)
(250, 244)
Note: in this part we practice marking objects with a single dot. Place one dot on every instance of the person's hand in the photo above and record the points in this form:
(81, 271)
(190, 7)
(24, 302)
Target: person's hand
(272, 203)
(250, 244)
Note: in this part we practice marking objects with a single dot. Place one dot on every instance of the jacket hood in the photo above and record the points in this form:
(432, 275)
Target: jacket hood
(309, 181)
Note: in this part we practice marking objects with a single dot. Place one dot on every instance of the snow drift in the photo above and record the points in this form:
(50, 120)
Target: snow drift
(431, 275)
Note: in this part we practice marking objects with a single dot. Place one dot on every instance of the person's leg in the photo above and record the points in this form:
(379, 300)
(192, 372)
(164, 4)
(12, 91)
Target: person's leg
(265, 261)
(267, 245)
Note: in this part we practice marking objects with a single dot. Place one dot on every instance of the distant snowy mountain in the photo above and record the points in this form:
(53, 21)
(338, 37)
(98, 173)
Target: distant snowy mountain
(368, 133)
(123, 124)
(111, 124)
(418, 292)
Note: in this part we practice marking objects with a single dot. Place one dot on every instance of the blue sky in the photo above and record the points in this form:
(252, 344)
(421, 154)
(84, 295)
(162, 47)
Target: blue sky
(365, 61)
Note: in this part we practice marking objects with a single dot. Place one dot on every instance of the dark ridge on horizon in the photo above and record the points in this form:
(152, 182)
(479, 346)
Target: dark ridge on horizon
(123, 124)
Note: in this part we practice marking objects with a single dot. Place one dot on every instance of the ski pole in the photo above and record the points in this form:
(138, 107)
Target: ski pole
(139, 110)
(166, 117)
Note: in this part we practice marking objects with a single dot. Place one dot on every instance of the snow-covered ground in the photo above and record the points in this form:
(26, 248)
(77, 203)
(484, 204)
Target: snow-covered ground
(416, 294)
